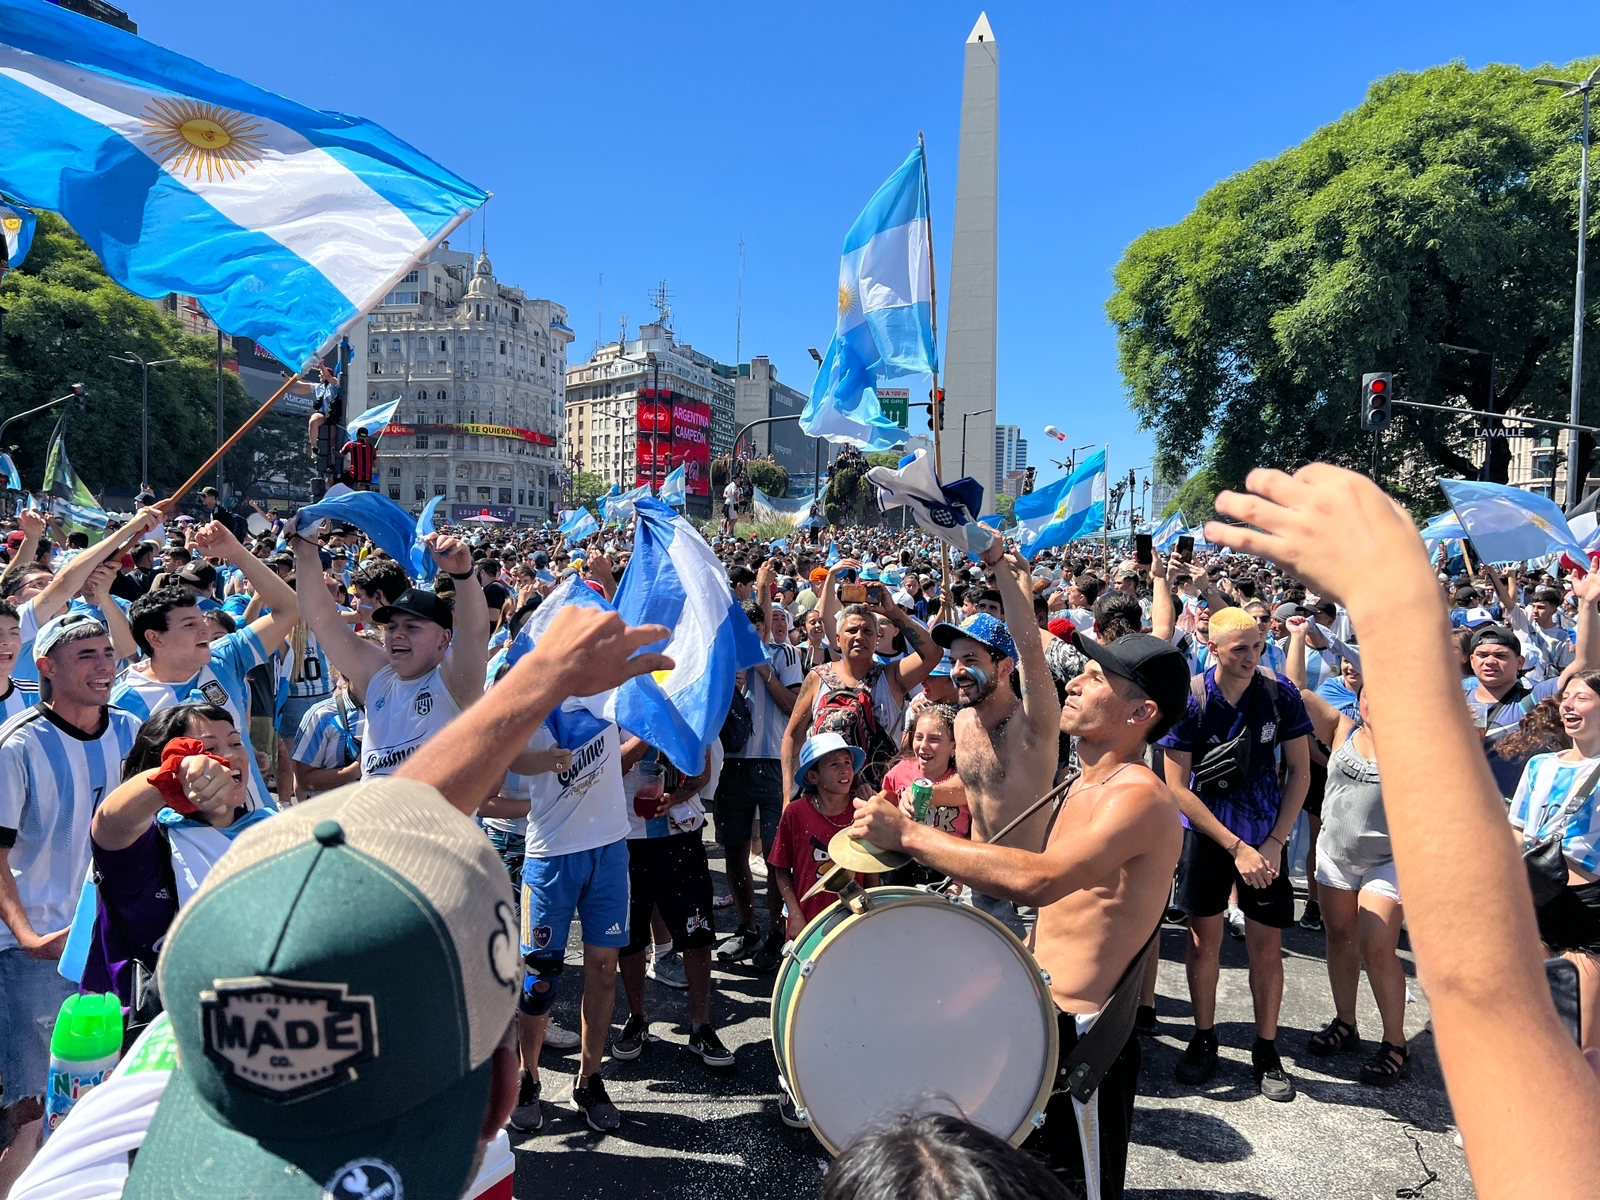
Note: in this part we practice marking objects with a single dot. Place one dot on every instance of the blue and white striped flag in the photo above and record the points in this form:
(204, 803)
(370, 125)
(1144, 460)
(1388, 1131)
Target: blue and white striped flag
(675, 487)
(1165, 535)
(1070, 508)
(1446, 527)
(885, 327)
(13, 480)
(285, 222)
(17, 224)
(580, 523)
(618, 508)
(1507, 524)
(391, 528)
(374, 419)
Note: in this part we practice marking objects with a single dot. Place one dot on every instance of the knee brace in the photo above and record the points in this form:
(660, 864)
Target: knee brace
(540, 981)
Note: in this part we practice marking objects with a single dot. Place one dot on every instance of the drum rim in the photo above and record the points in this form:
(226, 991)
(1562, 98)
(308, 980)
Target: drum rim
(1042, 993)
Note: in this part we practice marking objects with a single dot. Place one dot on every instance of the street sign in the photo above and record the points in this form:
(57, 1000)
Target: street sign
(896, 404)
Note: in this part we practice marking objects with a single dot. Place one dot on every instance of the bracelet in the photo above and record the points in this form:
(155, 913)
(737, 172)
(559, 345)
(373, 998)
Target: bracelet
(1272, 837)
(463, 575)
(1237, 842)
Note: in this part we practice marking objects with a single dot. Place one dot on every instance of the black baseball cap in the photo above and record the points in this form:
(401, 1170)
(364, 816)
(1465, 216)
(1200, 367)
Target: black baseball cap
(1153, 663)
(1500, 635)
(418, 603)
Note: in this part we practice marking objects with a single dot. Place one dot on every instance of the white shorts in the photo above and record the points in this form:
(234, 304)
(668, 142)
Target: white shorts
(1384, 880)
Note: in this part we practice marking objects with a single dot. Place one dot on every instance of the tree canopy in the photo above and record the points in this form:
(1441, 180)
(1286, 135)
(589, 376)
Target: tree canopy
(1442, 211)
(64, 319)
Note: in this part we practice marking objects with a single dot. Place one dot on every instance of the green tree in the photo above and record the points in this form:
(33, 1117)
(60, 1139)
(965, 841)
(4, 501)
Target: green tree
(1006, 506)
(64, 320)
(769, 477)
(1442, 210)
(1197, 498)
(586, 490)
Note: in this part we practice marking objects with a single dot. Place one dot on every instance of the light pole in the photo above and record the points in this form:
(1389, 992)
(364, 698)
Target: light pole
(144, 408)
(77, 393)
(1071, 464)
(816, 478)
(964, 416)
(1577, 89)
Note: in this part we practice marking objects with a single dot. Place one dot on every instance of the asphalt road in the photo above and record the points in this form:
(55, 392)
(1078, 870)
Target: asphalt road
(691, 1132)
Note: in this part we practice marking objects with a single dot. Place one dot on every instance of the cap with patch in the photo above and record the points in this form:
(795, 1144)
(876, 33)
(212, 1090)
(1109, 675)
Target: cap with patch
(337, 989)
(984, 628)
(418, 603)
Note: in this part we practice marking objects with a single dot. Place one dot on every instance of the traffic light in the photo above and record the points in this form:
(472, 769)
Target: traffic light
(936, 410)
(1377, 400)
(1027, 482)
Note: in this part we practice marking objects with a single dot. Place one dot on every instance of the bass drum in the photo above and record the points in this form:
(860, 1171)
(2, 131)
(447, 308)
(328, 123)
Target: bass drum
(915, 1003)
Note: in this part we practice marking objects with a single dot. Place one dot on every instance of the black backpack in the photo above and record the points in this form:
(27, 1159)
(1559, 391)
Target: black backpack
(738, 725)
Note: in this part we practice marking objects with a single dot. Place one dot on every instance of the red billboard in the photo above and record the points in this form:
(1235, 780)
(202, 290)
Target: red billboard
(664, 442)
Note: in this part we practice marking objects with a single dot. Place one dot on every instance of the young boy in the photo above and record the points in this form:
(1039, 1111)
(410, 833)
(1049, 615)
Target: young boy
(821, 808)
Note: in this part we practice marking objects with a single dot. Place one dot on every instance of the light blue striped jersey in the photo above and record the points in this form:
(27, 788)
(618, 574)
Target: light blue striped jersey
(18, 699)
(1547, 783)
(25, 670)
(52, 776)
(315, 678)
(220, 682)
(327, 739)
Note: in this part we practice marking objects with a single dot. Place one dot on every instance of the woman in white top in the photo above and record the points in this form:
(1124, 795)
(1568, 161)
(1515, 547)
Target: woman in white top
(1552, 784)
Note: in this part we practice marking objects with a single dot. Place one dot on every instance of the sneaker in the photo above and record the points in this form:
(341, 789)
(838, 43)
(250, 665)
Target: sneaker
(1199, 1061)
(1234, 919)
(703, 1040)
(629, 1044)
(788, 1113)
(559, 1039)
(771, 952)
(1312, 918)
(668, 969)
(722, 902)
(1268, 1070)
(758, 867)
(591, 1100)
(740, 945)
(1145, 1019)
(527, 1116)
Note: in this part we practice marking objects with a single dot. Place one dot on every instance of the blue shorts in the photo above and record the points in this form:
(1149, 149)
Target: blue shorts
(589, 884)
(293, 712)
(31, 992)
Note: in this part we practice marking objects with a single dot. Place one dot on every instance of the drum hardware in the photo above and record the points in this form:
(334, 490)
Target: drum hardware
(861, 856)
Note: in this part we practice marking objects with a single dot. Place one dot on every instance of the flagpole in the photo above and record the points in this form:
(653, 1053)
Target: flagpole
(935, 409)
(1105, 515)
(171, 501)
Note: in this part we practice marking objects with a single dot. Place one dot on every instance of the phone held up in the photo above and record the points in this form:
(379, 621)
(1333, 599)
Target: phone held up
(1186, 548)
(1143, 549)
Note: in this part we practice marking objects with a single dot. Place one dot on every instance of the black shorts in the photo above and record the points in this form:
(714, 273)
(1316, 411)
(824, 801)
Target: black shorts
(1572, 920)
(748, 786)
(1058, 1142)
(1206, 875)
(670, 873)
(1315, 789)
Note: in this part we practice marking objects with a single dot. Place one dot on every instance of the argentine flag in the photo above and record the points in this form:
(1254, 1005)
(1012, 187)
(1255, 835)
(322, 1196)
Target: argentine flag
(392, 529)
(375, 418)
(580, 523)
(617, 509)
(1507, 524)
(1165, 535)
(285, 222)
(1069, 509)
(885, 327)
(675, 487)
(1446, 527)
(17, 224)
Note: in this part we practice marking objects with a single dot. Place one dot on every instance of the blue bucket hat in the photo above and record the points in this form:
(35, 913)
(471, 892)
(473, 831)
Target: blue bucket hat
(818, 746)
(869, 572)
(984, 628)
(942, 671)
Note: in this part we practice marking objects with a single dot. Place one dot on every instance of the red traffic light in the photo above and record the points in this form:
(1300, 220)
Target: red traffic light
(1379, 386)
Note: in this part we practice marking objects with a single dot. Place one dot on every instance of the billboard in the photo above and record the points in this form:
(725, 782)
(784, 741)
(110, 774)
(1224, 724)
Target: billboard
(672, 429)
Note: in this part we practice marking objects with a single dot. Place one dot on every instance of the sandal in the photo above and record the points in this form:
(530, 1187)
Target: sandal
(1388, 1066)
(1337, 1038)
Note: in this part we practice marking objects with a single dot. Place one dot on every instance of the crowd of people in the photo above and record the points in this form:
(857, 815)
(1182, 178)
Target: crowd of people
(178, 692)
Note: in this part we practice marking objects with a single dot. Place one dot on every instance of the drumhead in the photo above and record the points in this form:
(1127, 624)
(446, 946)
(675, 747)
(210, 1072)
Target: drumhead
(919, 1005)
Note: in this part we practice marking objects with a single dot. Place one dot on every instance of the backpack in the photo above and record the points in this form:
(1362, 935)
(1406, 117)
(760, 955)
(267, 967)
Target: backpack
(848, 711)
(1227, 766)
(738, 725)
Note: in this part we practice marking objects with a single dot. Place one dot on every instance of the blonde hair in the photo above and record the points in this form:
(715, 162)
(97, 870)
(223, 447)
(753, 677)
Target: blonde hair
(1230, 620)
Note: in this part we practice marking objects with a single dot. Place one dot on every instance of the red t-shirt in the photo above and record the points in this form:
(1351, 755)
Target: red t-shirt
(947, 818)
(801, 847)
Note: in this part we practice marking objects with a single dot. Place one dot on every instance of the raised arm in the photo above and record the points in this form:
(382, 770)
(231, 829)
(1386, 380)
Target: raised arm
(32, 526)
(922, 655)
(1295, 667)
(97, 591)
(357, 659)
(1039, 704)
(75, 574)
(1163, 607)
(217, 540)
(1586, 592)
(464, 667)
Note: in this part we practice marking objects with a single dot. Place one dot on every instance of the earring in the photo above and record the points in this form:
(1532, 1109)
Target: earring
(1131, 721)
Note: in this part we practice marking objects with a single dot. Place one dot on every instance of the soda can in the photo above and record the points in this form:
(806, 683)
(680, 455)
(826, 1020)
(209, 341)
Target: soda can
(921, 800)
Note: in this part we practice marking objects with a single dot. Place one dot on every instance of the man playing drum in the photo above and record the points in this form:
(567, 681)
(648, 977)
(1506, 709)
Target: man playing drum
(1101, 882)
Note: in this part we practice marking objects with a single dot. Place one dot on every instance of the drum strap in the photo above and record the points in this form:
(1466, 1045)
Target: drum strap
(1082, 1070)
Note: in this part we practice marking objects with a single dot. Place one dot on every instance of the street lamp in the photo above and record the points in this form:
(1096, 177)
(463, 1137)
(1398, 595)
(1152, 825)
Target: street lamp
(981, 412)
(144, 408)
(1577, 89)
(816, 478)
(1071, 464)
(78, 393)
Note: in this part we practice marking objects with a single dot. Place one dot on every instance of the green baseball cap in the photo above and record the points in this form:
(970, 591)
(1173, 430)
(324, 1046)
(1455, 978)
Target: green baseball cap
(337, 989)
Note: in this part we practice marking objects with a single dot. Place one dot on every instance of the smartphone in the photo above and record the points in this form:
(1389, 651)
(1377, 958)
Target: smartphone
(874, 593)
(1186, 548)
(852, 593)
(1143, 549)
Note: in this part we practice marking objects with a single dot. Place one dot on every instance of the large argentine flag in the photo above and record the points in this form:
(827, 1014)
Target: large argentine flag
(885, 327)
(1070, 508)
(580, 523)
(674, 488)
(1165, 535)
(285, 222)
(1507, 524)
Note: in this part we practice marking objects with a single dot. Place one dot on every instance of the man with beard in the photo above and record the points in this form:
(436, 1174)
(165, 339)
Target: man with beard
(1101, 882)
(1006, 732)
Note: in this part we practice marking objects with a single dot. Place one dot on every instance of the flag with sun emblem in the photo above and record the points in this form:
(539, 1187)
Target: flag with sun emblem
(885, 327)
(286, 223)
(16, 223)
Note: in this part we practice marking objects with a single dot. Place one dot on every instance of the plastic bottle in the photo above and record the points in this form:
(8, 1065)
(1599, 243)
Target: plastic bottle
(85, 1046)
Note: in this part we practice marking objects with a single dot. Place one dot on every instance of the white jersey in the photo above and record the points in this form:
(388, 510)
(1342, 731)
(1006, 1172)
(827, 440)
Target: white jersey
(583, 808)
(20, 696)
(25, 670)
(52, 777)
(401, 715)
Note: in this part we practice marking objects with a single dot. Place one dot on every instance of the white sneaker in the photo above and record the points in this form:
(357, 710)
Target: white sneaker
(1234, 919)
(758, 867)
(557, 1038)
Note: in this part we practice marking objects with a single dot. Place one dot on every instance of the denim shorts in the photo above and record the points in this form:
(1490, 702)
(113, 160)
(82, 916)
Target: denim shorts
(589, 884)
(31, 992)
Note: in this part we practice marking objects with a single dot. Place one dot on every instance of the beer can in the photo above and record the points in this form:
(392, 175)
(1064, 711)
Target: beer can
(921, 800)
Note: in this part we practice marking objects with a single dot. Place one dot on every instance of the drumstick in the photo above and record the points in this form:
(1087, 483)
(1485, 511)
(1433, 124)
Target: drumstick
(1034, 807)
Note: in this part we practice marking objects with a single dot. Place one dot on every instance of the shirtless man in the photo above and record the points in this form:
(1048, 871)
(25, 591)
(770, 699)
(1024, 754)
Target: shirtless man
(1005, 746)
(1100, 883)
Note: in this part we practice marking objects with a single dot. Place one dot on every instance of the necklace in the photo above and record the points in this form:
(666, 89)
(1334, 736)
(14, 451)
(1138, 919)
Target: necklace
(840, 824)
(1097, 783)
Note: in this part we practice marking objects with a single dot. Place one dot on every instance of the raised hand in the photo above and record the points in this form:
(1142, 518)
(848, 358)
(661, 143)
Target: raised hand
(216, 540)
(451, 554)
(589, 650)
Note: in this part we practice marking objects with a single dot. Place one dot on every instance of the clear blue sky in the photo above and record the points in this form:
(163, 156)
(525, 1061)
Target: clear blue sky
(641, 140)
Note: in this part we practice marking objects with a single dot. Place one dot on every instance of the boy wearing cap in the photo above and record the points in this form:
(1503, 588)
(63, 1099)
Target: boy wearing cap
(1495, 690)
(1100, 884)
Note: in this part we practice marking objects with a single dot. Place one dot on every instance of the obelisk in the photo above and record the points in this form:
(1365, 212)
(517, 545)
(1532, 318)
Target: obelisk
(970, 322)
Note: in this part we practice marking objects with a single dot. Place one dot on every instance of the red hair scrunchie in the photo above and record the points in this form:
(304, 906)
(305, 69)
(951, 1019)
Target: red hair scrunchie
(166, 780)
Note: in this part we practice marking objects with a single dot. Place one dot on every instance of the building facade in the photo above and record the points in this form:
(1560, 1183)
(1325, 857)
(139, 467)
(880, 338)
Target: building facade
(479, 368)
(639, 408)
(1010, 455)
(758, 394)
